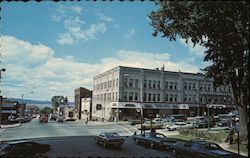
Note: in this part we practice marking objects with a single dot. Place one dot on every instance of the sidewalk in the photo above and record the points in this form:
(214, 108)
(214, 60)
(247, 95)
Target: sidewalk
(11, 126)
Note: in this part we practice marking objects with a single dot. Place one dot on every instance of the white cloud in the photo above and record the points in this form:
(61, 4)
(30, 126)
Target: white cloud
(130, 33)
(76, 29)
(33, 67)
(198, 50)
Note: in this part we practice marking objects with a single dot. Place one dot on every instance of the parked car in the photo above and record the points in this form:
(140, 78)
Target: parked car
(43, 118)
(176, 116)
(60, 119)
(179, 125)
(153, 140)
(107, 138)
(53, 117)
(201, 149)
(223, 123)
(148, 125)
(158, 120)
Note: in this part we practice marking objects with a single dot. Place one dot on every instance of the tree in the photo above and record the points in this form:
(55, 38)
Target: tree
(221, 27)
(56, 100)
(46, 110)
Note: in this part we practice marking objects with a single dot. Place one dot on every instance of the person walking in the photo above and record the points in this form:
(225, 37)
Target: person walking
(87, 120)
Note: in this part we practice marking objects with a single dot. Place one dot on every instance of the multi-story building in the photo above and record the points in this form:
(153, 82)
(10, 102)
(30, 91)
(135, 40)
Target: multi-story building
(79, 94)
(123, 92)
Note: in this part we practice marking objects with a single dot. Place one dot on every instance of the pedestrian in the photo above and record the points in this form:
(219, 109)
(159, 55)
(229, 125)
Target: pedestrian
(87, 120)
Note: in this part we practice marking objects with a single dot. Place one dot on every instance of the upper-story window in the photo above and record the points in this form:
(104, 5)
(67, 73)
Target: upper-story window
(159, 97)
(154, 84)
(149, 96)
(150, 84)
(130, 97)
(116, 84)
(171, 85)
(201, 85)
(145, 83)
(125, 94)
(166, 97)
(194, 85)
(136, 96)
(171, 98)
(175, 85)
(175, 97)
(185, 85)
(130, 82)
(154, 97)
(136, 82)
(159, 84)
(166, 86)
(113, 82)
(189, 86)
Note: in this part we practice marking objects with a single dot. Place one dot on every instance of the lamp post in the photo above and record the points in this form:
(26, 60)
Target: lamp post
(1, 97)
(141, 99)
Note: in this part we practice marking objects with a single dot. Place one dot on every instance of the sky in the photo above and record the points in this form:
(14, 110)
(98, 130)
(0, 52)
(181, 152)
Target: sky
(51, 48)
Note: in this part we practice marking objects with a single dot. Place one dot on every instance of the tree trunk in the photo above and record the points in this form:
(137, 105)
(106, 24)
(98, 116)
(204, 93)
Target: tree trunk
(243, 124)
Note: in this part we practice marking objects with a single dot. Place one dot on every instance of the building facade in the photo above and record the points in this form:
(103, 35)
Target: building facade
(86, 108)
(79, 94)
(128, 93)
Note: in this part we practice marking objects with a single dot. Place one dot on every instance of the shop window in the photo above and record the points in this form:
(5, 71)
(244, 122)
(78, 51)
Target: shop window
(125, 96)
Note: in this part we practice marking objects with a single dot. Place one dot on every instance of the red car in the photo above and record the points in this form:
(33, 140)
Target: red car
(43, 118)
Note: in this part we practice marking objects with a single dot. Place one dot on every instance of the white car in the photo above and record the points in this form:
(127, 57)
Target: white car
(178, 125)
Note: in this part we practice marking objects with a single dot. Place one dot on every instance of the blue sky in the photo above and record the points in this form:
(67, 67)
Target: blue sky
(52, 48)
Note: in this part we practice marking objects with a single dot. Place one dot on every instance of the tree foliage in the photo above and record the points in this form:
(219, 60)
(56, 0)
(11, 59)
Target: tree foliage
(220, 26)
(56, 100)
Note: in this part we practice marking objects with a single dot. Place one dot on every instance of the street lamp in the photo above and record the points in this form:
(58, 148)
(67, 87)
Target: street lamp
(141, 98)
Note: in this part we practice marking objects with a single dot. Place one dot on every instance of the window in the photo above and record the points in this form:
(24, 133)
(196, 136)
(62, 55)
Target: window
(185, 85)
(145, 83)
(159, 97)
(171, 85)
(149, 84)
(105, 85)
(175, 97)
(130, 97)
(131, 82)
(194, 98)
(166, 86)
(190, 84)
(136, 82)
(171, 98)
(194, 85)
(201, 86)
(113, 82)
(189, 99)
(154, 84)
(185, 98)
(166, 97)
(101, 85)
(136, 96)
(117, 82)
(175, 85)
(98, 106)
(149, 96)
(104, 97)
(113, 96)
(125, 96)
(116, 95)
(145, 96)
(159, 84)
(154, 96)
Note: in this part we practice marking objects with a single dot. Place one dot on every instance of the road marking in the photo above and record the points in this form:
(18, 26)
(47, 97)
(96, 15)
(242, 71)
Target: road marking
(125, 129)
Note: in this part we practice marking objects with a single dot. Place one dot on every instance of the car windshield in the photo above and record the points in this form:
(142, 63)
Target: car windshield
(75, 73)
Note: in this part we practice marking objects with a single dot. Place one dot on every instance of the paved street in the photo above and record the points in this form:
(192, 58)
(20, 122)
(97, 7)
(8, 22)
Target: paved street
(82, 144)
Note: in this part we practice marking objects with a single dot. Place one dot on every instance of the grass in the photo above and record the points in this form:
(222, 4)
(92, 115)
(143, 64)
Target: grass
(221, 134)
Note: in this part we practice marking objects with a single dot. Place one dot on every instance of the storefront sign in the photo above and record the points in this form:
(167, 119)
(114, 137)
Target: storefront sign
(129, 105)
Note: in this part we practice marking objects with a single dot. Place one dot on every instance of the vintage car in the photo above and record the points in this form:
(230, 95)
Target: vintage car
(201, 149)
(147, 125)
(153, 140)
(109, 138)
(43, 118)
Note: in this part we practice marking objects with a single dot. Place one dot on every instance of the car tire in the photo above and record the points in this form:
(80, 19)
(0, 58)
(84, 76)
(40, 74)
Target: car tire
(137, 141)
(152, 145)
(104, 144)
